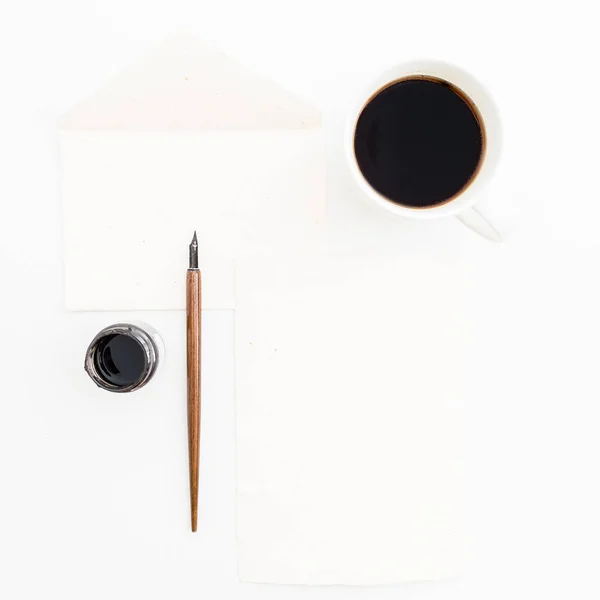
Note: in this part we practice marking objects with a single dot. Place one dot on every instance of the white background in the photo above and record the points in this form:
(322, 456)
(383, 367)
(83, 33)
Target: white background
(93, 500)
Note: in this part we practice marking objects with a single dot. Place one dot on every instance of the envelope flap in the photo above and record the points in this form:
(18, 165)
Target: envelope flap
(183, 85)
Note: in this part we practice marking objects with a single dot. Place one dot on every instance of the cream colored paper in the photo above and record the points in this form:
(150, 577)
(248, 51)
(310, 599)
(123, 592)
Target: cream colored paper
(186, 139)
(349, 374)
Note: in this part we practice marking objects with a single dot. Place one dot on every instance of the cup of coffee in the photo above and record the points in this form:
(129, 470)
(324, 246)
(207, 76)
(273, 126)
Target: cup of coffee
(423, 141)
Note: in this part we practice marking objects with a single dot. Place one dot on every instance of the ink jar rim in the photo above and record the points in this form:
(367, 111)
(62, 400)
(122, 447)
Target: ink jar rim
(144, 336)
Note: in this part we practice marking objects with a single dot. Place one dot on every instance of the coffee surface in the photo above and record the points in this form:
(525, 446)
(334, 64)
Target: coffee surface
(418, 142)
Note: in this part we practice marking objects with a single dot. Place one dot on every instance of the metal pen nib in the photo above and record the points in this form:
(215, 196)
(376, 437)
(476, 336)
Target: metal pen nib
(194, 252)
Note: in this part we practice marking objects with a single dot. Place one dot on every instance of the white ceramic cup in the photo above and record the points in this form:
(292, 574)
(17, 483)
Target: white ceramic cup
(462, 206)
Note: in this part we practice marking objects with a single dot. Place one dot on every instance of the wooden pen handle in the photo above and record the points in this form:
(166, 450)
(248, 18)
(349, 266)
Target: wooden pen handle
(193, 302)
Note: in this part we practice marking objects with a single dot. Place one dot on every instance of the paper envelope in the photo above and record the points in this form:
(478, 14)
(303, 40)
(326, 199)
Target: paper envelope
(187, 139)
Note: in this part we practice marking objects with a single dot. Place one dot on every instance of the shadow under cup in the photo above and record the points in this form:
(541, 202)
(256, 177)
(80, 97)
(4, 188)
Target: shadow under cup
(419, 142)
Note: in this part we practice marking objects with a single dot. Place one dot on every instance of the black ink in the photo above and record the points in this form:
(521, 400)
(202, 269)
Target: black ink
(119, 360)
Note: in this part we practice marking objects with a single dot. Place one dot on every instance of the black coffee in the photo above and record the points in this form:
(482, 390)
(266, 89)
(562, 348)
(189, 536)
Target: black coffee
(119, 360)
(419, 142)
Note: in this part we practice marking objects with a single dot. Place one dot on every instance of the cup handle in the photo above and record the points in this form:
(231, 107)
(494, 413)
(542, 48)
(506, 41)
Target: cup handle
(475, 221)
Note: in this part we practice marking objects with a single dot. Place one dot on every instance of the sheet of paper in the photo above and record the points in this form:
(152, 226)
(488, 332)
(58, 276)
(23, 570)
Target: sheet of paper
(349, 374)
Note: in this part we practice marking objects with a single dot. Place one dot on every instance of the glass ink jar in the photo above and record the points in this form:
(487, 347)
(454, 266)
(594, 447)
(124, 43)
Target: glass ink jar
(124, 357)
